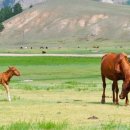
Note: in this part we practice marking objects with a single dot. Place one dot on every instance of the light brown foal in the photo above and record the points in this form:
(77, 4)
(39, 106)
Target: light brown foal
(5, 78)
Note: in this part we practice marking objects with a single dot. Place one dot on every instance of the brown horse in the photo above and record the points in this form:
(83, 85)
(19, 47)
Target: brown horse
(113, 67)
(5, 78)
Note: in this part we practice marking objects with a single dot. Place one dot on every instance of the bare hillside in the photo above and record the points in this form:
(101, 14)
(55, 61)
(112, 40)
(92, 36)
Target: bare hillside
(68, 19)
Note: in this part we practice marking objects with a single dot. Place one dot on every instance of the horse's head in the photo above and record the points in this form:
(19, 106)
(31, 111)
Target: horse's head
(119, 62)
(122, 66)
(125, 89)
(14, 71)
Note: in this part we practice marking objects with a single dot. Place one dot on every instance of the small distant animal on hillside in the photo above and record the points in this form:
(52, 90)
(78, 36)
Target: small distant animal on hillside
(95, 46)
(43, 52)
(41, 47)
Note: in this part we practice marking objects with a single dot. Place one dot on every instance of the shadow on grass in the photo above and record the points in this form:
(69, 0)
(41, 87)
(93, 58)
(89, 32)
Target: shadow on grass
(4, 100)
(107, 103)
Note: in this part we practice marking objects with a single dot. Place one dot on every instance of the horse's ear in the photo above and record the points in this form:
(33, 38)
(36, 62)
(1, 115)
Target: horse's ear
(117, 68)
(9, 67)
(118, 61)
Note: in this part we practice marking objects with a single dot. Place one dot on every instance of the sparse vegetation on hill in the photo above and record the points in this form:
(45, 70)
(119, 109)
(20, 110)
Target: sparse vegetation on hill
(1, 27)
(24, 3)
(17, 8)
(8, 12)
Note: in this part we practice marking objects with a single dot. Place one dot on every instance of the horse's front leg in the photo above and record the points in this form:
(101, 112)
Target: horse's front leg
(127, 100)
(104, 87)
(7, 91)
(115, 89)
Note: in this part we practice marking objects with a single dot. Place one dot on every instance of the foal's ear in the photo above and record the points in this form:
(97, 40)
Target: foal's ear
(118, 60)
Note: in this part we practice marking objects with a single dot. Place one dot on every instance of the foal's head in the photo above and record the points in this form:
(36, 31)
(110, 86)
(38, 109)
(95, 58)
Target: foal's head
(14, 71)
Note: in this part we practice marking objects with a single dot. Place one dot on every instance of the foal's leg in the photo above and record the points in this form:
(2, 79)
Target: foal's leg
(127, 100)
(104, 87)
(7, 91)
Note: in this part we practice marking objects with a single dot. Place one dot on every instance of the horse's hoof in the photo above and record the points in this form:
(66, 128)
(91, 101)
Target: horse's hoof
(103, 101)
(116, 103)
(126, 104)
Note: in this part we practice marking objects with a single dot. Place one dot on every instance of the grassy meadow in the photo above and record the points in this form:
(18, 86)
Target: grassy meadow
(59, 93)
(68, 46)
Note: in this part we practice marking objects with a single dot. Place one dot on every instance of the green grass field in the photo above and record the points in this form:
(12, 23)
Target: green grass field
(59, 93)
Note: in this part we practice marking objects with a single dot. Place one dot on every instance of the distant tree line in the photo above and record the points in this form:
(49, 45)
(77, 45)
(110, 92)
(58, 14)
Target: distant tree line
(128, 2)
(8, 12)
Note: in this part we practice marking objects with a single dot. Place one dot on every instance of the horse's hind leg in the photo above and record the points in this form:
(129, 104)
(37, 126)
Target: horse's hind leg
(113, 91)
(104, 87)
(127, 100)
